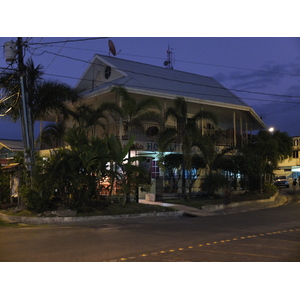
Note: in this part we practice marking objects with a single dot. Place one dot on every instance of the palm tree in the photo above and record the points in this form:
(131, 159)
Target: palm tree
(207, 146)
(267, 150)
(44, 97)
(117, 154)
(52, 135)
(75, 171)
(185, 132)
(135, 113)
(90, 117)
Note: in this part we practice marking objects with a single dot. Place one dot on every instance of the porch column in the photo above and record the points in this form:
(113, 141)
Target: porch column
(246, 131)
(120, 122)
(202, 129)
(234, 130)
(241, 131)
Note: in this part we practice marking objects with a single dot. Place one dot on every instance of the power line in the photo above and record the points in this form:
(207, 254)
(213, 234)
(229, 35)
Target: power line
(55, 56)
(229, 89)
(68, 41)
(191, 62)
(181, 81)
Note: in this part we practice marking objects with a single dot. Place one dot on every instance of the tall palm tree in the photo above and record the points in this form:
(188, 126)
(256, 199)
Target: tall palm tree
(122, 168)
(76, 170)
(44, 96)
(207, 146)
(90, 117)
(52, 135)
(268, 149)
(185, 132)
(135, 113)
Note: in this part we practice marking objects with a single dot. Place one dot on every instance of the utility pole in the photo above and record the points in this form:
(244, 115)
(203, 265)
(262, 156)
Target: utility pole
(25, 112)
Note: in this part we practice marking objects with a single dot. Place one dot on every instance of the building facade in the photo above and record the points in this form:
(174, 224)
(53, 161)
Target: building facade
(9, 148)
(290, 167)
(235, 118)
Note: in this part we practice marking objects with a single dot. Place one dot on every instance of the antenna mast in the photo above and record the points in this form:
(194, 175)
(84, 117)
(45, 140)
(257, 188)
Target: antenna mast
(169, 62)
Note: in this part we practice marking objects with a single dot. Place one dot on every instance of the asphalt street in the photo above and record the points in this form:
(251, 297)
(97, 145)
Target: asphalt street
(271, 234)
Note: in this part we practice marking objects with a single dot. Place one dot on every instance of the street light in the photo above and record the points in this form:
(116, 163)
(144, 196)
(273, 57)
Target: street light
(271, 129)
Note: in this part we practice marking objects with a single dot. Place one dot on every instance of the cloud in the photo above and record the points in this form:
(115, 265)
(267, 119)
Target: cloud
(271, 74)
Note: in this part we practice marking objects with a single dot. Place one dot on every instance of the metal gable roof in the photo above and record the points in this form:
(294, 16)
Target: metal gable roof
(142, 76)
(12, 145)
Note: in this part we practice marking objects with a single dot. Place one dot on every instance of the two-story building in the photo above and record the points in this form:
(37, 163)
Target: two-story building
(235, 118)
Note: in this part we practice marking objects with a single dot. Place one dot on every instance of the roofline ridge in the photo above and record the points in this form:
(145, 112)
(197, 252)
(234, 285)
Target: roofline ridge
(153, 66)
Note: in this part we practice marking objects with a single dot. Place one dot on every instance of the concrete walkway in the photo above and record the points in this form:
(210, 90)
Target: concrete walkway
(284, 196)
(187, 210)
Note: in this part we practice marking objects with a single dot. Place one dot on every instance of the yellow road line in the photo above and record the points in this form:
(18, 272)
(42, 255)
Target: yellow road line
(223, 241)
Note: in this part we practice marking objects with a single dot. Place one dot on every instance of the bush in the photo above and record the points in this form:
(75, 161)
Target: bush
(33, 200)
(4, 187)
(213, 182)
(270, 188)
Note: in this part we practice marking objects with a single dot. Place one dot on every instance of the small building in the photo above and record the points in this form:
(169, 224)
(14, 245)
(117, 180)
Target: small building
(9, 148)
(290, 167)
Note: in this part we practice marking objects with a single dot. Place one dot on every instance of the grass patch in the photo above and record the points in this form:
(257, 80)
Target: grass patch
(138, 208)
(203, 201)
(21, 213)
(128, 208)
(111, 209)
(8, 224)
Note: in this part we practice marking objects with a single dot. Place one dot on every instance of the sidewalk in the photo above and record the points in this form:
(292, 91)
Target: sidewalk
(283, 197)
(187, 210)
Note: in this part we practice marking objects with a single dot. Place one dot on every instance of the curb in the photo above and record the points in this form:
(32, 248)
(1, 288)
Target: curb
(59, 220)
(278, 199)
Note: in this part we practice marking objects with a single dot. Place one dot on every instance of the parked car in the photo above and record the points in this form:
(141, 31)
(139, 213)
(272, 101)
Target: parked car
(282, 181)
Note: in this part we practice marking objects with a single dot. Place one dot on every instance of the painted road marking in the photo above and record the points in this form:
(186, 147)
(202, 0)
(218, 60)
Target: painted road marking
(213, 243)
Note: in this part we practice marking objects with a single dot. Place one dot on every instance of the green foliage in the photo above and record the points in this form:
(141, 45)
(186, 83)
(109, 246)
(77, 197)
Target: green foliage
(260, 157)
(213, 182)
(33, 200)
(270, 188)
(171, 164)
(4, 187)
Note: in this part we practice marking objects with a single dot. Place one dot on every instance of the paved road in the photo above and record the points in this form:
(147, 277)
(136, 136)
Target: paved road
(264, 235)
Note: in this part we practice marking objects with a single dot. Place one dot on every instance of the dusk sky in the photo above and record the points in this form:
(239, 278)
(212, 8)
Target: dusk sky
(236, 44)
(264, 72)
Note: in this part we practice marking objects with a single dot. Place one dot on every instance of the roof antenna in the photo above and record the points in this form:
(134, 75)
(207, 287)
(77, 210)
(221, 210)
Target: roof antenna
(169, 62)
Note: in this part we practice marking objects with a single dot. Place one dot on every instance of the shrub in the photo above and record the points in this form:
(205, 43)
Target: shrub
(4, 187)
(33, 200)
(213, 182)
(270, 188)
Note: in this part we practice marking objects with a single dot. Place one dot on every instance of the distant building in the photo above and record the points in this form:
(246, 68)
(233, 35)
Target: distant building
(8, 148)
(290, 167)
